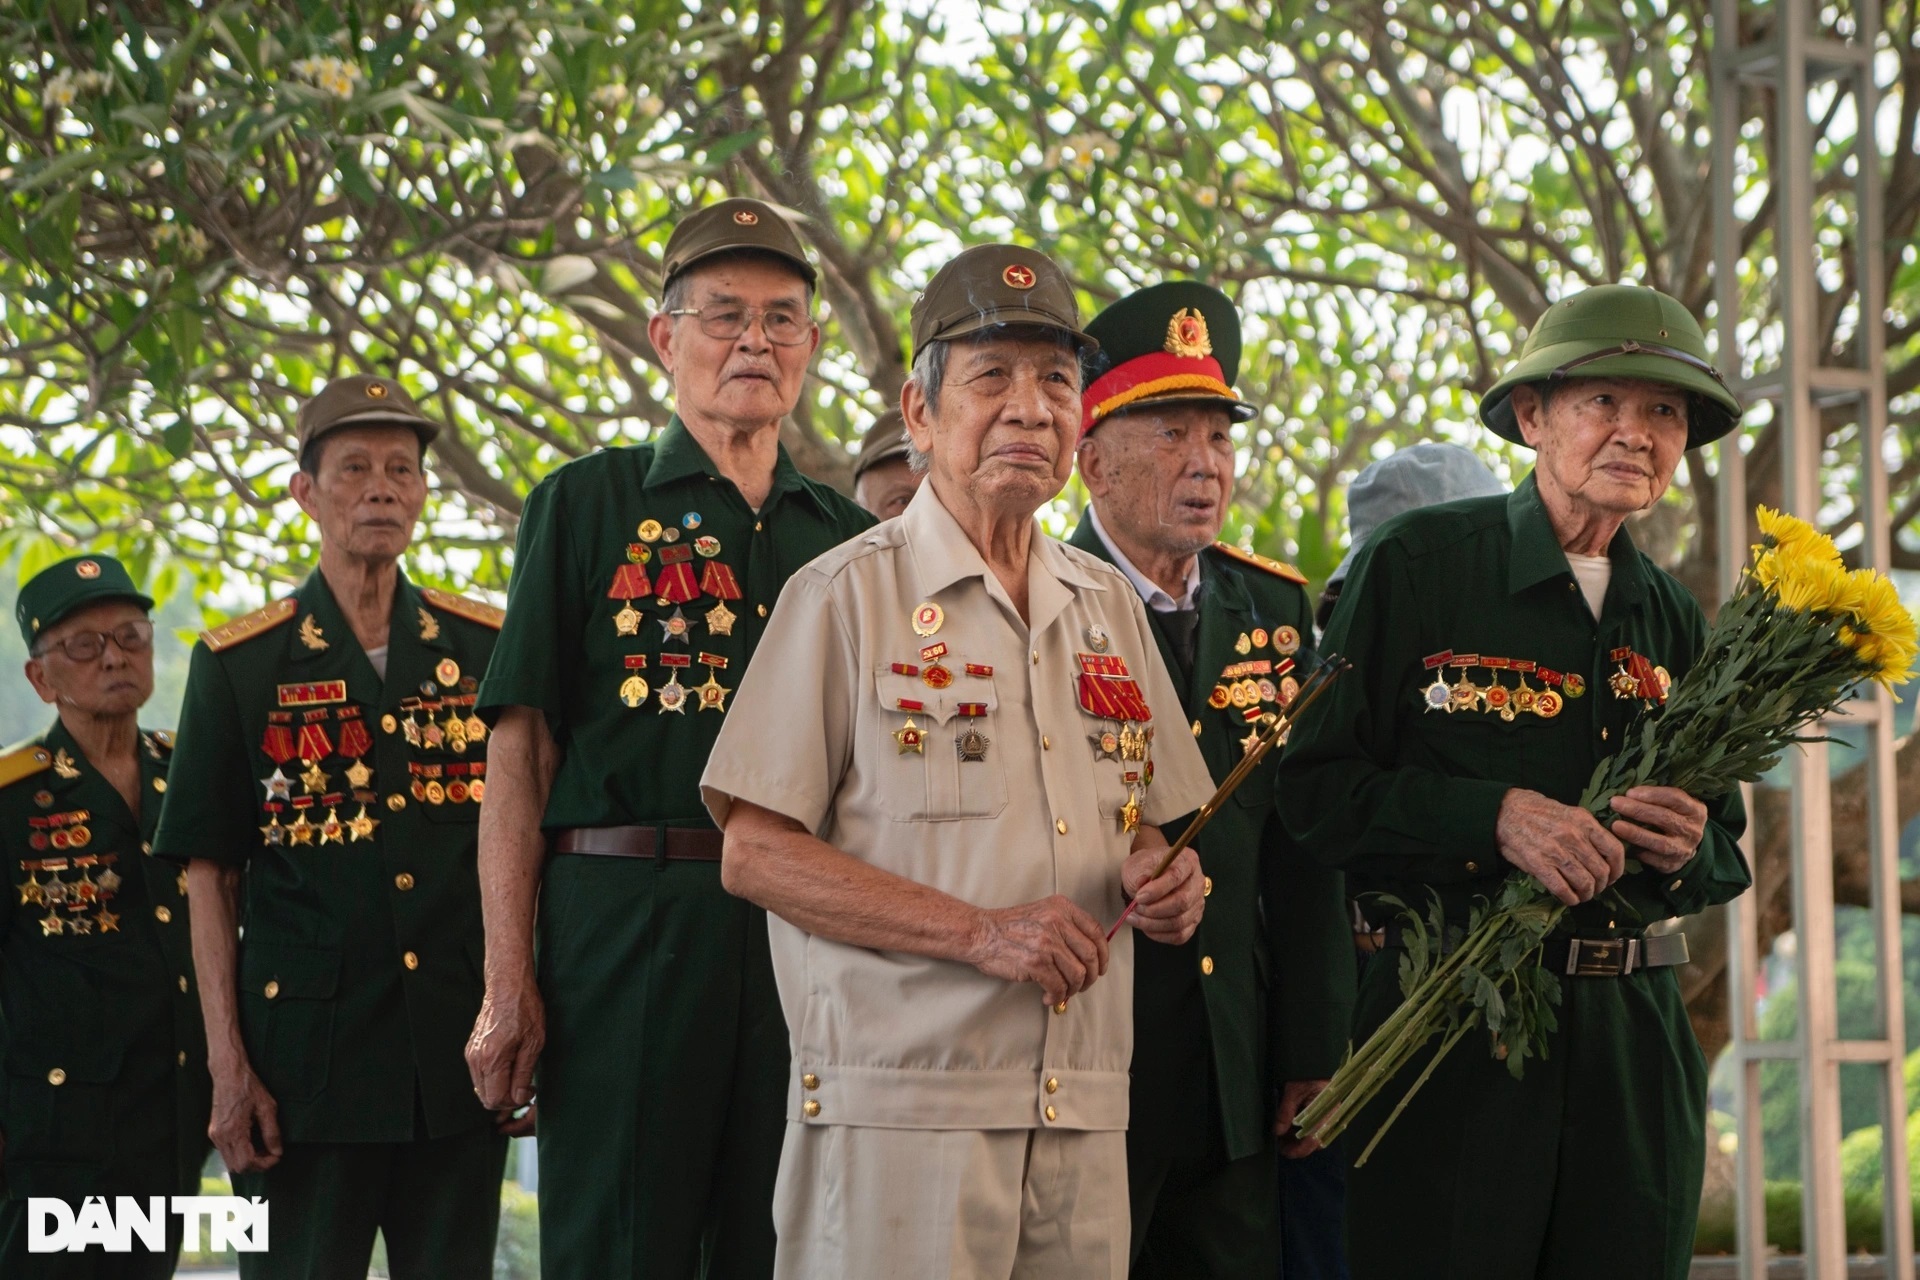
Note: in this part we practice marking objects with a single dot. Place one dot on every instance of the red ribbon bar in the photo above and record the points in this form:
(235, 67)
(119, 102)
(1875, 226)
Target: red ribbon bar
(1622, 653)
(1112, 698)
(1497, 664)
(979, 669)
(1464, 660)
(676, 659)
(1641, 669)
(1440, 659)
(973, 708)
(630, 583)
(354, 740)
(314, 743)
(717, 580)
(1523, 665)
(1551, 676)
(675, 584)
(676, 553)
(277, 744)
(713, 660)
(909, 704)
(635, 661)
(905, 669)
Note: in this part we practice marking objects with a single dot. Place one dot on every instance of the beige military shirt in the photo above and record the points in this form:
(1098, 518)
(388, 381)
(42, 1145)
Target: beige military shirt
(816, 733)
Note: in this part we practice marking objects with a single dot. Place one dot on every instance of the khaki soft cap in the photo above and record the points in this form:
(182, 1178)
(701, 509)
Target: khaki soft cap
(733, 226)
(993, 284)
(362, 400)
(885, 441)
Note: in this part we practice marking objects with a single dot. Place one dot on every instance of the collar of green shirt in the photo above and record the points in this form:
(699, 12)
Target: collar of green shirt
(677, 455)
(1537, 555)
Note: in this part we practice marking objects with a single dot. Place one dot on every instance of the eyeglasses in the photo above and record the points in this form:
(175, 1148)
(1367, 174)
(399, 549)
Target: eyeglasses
(727, 322)
(87, 646)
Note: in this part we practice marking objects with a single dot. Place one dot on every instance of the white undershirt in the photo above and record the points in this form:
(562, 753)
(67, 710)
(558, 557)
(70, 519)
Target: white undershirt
(1151, 592)
(1593, 574)
(378, 657)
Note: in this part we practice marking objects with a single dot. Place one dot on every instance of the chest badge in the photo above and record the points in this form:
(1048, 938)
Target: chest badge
(927, 618)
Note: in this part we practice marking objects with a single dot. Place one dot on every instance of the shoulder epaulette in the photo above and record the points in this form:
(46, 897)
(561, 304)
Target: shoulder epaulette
(1277, 568)
(259, 622)
(23, 762)
(479, 611)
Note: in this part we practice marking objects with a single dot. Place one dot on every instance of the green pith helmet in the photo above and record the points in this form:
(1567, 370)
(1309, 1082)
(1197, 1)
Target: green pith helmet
(1619, 331)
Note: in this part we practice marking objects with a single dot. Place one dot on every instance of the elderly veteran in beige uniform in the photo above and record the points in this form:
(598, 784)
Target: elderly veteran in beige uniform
(944, 791)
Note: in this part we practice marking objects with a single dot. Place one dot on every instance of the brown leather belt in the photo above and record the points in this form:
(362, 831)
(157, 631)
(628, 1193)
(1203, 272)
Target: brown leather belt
(682, 844)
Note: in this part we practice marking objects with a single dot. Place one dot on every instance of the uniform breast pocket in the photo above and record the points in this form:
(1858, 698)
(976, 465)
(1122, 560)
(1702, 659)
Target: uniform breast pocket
(938, 762)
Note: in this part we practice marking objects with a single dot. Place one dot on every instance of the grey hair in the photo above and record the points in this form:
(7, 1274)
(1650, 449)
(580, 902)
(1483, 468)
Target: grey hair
(930, 375)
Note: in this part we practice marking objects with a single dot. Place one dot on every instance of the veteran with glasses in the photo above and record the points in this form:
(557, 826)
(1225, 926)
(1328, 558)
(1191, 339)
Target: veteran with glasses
(643, 579)
(105, 1089)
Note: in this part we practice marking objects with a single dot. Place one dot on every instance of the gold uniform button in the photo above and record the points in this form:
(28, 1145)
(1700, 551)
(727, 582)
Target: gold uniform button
(1674, 887)
(403, 881)
(1053, 1084)
(56, 1077)
(271, 990)
(1052, 1114)
(761, 609)
(1472, 867)
(160, 784)
(811, 1107)
(1196, 728)
(388, 724)
(1060, 825)
(180, 1058)
(183, 982)
(1206, 964)
(810, 1081)
(1061, 1007)
(1036, 656)
(1206, 886)
(410, 960)
(146, 846)
(756, 526)
(163, 915)
(396, 802)
(1046, 743)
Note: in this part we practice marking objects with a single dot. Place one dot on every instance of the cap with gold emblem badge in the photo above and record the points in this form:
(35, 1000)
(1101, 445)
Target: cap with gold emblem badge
(885, 441)
(736, 225)
(1171, 343)
(58, 590)
(993, 284)
(362, 400)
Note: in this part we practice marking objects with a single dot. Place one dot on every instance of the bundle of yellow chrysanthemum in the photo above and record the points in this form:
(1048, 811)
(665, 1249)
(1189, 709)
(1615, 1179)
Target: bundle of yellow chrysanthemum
(1799, 636)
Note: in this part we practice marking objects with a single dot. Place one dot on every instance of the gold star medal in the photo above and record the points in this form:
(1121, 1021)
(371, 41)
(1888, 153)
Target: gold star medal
(633, 690)
(713, 694)
(314, 779)
(910, 737)
(720, 619)
(30, 892)
(358, 775)
(672, 696)
(332, 830)
(273, 835)
(49, 925)
(455, 730)
(476, 729)
(360, 826)
(301, 832)
(627, 621)
(1130, 812)
(108, 922)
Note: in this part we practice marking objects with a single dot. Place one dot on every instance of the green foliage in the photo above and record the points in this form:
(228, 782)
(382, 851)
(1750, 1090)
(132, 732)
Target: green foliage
(1715, 1233)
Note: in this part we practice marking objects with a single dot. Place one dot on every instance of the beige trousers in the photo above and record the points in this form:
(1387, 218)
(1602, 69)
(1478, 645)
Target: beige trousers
(950, 1204)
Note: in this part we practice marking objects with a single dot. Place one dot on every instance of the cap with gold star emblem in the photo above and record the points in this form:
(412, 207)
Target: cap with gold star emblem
(1171, 343)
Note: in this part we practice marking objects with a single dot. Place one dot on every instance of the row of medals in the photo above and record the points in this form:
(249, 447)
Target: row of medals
(672, 696)
(1131, 743)
(1496, 698)
(91, 892)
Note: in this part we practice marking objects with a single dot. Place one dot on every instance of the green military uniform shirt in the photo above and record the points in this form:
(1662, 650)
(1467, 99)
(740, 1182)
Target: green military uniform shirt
(1404, 793)
(641, 586)
(353, 803)
(106, 1088)
(1256, 997)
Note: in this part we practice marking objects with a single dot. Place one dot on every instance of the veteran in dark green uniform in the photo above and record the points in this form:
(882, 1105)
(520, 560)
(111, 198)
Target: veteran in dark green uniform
(642, 581)
(105, 1089)
(328, 796)
(1238, 1028)
(1496, 643)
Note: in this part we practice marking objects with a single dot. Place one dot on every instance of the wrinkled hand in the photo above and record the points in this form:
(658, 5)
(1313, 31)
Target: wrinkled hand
(516, 1125)
(1664, 825)
(1052, 942)
(1563, 847)
(1169, 908)
(1296, 1096)
(240, 1103)
(506, 1042)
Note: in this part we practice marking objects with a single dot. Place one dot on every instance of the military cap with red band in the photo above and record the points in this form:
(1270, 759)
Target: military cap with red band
(1171, 343)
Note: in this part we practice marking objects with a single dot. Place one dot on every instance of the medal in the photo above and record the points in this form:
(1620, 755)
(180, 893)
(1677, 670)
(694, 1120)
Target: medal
(649, 530)
(1106, 745)
(30, 895)
(720, 620)
(1463, 694)
(627, 621)
(279, 786)
(314, 779)
(633, 690)
(1219, 698)
(1575, 685)
(1243, 645)
(447, 672)
(706, 546)
(936, 676)
(972, 744)
(927, 618)
(49, 925)
(331, 829)
(674, 583)
(669, 534)
(108, 922)
(436, 794)
(1130, 813)
(273, 835)
(909, 737)
(109, 882)
(360, 826)
(691, 520)
(1097, 638)
(1133, 742)
(1547, 704)
(1286, 640)
(1259, 636)
(717, 580)
(1525, 693)
(358, 775)
(301, 832)
(1498, 697)
(476, 729)
(672, 696)
(673, 627)
(713, 694)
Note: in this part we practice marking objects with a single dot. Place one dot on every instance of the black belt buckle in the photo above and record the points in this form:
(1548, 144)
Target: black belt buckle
(1602, 957)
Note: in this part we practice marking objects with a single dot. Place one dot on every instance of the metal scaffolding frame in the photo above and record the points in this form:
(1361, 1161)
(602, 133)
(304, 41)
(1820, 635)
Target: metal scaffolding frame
(1791, 61)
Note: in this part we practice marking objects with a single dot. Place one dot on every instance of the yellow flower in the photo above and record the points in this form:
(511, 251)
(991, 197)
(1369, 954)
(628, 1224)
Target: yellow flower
(1778, 530)
(1880, 629)
(1807, 583)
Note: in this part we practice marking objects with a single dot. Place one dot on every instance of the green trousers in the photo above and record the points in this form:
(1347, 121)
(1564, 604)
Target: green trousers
(1588, 1168)
(436, 1201)
(663, 1081)
(1205, 1217)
